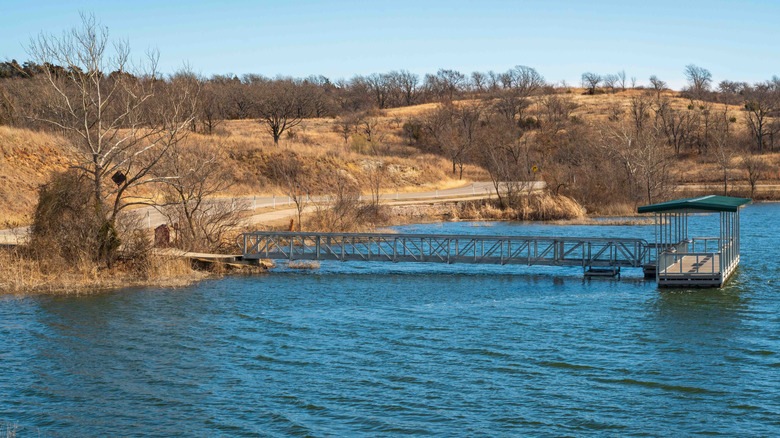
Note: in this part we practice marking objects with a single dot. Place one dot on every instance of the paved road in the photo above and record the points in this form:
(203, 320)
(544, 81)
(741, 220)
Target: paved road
(285, 207)
(717, 187)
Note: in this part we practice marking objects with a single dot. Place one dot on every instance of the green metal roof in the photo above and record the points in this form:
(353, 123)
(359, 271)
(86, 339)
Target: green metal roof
(704, 203)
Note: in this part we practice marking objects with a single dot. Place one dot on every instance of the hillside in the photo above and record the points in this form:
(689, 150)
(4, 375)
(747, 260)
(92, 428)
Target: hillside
(246, 151)
(27, 159)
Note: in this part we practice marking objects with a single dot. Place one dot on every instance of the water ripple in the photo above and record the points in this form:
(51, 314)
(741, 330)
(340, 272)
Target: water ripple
(385, 350)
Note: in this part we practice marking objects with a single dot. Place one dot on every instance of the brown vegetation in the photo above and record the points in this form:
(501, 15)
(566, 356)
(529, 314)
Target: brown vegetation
(130, 137)
(535, 207)
(25, 271)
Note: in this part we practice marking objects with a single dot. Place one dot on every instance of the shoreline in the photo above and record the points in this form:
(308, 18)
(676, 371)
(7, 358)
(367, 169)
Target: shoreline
(24, 277)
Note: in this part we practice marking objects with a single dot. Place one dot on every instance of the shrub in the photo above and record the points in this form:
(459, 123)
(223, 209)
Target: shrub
(412, 131)
(65, 223)
(359, 143)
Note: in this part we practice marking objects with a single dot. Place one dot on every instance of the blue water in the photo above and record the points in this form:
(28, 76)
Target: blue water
(386, 350)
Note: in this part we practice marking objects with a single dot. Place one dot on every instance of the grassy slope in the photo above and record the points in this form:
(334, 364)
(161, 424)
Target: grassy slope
(27, 158)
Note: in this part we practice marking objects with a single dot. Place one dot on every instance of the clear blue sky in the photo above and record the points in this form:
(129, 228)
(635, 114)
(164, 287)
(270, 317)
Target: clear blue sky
(561, 39)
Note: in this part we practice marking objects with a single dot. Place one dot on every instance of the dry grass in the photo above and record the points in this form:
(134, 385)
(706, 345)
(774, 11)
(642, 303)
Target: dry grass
(27, 158)
(615, 209)
(249, 151)
(537, 207)
(21, 272)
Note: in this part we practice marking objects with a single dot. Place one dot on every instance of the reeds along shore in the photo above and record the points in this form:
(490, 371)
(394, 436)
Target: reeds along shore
(23, 272)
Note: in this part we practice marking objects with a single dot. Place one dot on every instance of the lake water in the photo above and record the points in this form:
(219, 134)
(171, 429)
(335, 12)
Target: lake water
(385, 350)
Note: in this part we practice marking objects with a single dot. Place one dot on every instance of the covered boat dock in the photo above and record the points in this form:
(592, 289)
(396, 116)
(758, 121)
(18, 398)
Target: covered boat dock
(682, 260)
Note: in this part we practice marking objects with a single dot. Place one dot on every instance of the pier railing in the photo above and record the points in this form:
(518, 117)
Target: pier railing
(698, 263)
(699, 257)
(444, 248)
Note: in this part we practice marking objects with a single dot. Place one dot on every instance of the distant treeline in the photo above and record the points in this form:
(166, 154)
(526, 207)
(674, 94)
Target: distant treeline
(517, 125)
(234, 97)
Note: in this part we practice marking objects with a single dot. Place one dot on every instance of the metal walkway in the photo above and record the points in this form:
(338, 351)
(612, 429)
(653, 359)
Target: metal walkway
(589, 253)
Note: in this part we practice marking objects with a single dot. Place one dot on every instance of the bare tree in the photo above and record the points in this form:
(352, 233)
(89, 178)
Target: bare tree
(639, 112)
(658, 85)
(369, 126)
(677, 126)
(554, 112)
(376, 172)
(408, 83)
(520, 83)
(724, 150)
(438, 125)
(120, 124)
(379, 85)
(454, 130)
(318, 91)
(755, 168)
(342, 210)
(762, 100)
(289, 171)
(699, 80)
(508, 157)
(280, 105)
(239, 102)
(591, 81)
(345, 126)
(525, 80)
(479, 81)
(642, 156)
(445, 83)
(622, 79)
(190, 175)
(468, 122)
(493, 81)
(611, 81)
(211, 111)
(511, 105)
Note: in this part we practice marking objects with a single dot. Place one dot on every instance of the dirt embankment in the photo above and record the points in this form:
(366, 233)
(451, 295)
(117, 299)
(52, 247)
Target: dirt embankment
(27, 159)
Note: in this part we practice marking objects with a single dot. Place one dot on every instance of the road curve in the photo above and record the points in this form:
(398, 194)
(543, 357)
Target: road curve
(284, 206)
